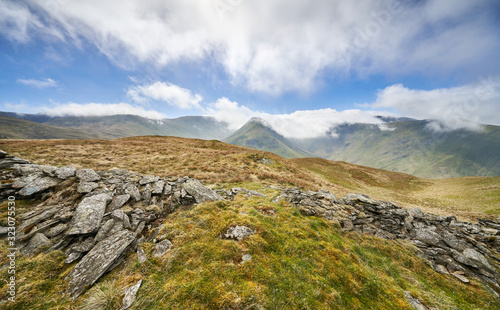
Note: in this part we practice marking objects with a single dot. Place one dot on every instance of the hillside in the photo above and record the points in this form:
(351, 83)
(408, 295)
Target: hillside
(14, 128)
(255, 134)
(410, 147)
(289, 259)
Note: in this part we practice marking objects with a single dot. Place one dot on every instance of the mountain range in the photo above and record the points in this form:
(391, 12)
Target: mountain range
(399, 144)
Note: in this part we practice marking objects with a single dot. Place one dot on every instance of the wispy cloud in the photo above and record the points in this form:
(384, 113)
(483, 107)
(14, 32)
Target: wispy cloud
(165, 92)
(299, 124)
(100, 109)
(43, 83)
(275, 46)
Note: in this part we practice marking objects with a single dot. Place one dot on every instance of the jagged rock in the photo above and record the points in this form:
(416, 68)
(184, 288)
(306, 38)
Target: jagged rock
(104, 230)
(3, 154)
(162, 247)
(133, 191)
(72, 257)
(118, 202)
(414, 302)
(148, 179)
(38, 241)
(130, 293)
(65, 172)
(96, 262)
(84, 246)
(477, 259)
(238, 233)
(427, 236)
(38, 185)
(86, 187)
(246, 258)
(146, 193)
(9, 162)
(459, 275)
(441, 269)
(141, 256)
(22, 182)
(167, 190)
(158, 188)
(88, 214)
(119, 215)
(32, 220)
(200, 192)
(87, 175)
(54, 231)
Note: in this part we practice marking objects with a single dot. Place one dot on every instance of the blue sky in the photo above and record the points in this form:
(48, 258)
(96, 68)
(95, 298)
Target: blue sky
(323, 62)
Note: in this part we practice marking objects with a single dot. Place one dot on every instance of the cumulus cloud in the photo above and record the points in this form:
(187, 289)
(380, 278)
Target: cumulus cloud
(456, 107)
(299, 124)
(166, 92)
(277, 45)
(100, 109)
(43, 83)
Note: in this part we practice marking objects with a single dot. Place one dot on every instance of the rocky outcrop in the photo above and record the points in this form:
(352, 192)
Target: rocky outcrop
(451, 246)
(94, 217)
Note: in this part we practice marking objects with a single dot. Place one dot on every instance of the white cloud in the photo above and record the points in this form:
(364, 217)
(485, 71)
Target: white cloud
(277, 45)
(43, 83)
(100, 109)
(19, 107)
(167, 92)
(456, 107)
(299, 124)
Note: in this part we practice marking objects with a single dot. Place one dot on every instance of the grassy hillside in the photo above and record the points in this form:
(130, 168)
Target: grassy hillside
(14, 128)
(225, 165)
(297, 262)
(254, 134)
(412, 148)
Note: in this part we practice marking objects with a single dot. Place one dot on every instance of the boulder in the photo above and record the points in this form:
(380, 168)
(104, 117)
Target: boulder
(427, 236)
(118, 202)
(65, 172)
(133, 191)
(478, 259)
(88, 214)
(38, 185)
(96, 262)
(162, 247)
(200, 192)
(86, 187)
(238, 233)
(36, 242)
(130, 293)
(87, 175)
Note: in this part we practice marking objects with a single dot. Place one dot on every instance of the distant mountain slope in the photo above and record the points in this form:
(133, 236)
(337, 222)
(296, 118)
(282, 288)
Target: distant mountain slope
(410, 147)
(14, 128)
(254, 134)
(120, 126)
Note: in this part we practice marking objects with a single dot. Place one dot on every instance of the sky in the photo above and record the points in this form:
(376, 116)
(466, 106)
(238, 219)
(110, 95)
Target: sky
(303, 66)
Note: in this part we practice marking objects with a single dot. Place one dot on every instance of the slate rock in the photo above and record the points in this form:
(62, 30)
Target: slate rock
(36, 242)
(87, 175)
(414, 302)
(200, 192)
(65, 172)
(158, 187)
(148, 179)
(130, 293)
(459, 275)
(133, 191)
(22, 182)
(86, 187)
(118, 202)
(56, 230)
(162, 247)
(38, 185)
(9, 162)
(88, 214)
(141, 256)
(96, 262)
(427, 236)
(238, 233)
(477, 258)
